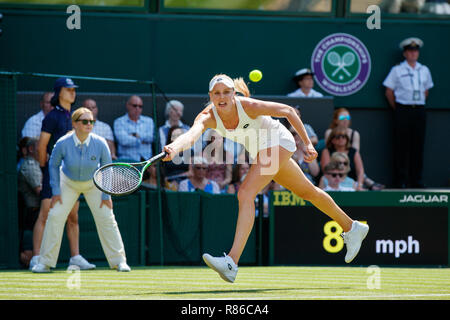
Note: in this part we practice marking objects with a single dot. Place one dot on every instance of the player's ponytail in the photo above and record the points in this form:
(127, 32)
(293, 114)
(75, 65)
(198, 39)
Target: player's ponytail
(241, 87)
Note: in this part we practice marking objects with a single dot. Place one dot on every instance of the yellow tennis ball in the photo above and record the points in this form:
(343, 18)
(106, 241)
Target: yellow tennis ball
(255, 75)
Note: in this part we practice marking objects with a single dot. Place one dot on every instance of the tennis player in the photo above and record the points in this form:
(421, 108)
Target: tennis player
(74, 159)
(270, 144)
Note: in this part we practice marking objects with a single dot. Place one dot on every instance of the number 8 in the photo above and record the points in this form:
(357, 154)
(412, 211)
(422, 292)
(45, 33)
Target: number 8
(330, 234)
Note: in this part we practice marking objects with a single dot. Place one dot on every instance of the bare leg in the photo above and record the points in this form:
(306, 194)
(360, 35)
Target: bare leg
(291, 177)
(39, 225)
(73, 230)
(256, 179)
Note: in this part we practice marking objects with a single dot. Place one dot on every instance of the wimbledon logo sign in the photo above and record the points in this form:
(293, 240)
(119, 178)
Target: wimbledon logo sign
(341, 64)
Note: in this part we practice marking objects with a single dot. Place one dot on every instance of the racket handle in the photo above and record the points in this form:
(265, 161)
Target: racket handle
(158, 157)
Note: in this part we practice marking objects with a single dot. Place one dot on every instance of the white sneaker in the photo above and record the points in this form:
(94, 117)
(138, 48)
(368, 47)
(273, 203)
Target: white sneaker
(81, 262)
(354, 238)
(34, 261)
(123, 267)
(40, 268)
(225, 266)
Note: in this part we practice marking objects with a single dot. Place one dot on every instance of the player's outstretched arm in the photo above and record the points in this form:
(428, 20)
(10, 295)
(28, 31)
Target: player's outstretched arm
(185, 141)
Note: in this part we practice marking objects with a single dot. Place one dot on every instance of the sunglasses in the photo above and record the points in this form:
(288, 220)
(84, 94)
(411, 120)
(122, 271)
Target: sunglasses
(85, 122)
(334, 175)
(338, 136)
(200, 168)
(344, 117)
(136, 105)
(345, 163)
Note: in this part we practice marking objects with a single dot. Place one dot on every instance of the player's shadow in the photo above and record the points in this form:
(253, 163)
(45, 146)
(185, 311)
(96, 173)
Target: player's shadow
(209, 292)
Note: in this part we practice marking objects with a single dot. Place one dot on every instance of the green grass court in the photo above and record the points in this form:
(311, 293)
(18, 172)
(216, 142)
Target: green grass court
(254, 283)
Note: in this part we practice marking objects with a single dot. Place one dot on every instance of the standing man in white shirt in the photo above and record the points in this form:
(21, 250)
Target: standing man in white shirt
(134, 132)
(305, 82)
(101, 128)
(33, 125)
(407, 86)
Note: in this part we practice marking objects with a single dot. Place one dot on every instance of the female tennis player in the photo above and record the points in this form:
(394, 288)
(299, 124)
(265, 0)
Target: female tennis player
(271, 145)
(74, 159)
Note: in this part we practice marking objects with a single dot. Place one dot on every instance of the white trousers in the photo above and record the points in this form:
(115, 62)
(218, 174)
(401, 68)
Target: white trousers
(105, 222)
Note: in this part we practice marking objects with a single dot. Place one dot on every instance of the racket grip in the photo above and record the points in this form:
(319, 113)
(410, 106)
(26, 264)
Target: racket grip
(159, 157)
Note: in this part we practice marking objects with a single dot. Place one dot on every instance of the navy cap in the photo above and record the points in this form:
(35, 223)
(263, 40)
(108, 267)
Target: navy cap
(61, 83)
(64, 83)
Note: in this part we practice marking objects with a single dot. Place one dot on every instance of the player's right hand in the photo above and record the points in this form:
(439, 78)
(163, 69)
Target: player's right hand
(170, 153)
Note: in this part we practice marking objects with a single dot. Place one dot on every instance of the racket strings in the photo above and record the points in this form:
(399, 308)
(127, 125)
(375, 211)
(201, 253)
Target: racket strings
(118, 179)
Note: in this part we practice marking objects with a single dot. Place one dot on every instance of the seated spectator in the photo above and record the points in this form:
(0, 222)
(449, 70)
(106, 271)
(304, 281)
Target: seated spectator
(403, 6)
(101, 128)
(174, 114)
(29, 186)
(198, 180)
(177, 169)
(238, 174)
(303, 78)
(311, 169)
(436, 7)
(33, 125)
(342, 117)
(343, 162)
(150, 179)
(219, 160)
(335, 174)
(338, 140)
(134, 132)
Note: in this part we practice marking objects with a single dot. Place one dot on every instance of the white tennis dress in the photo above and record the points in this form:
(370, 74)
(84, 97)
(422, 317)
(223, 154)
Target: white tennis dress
(256, 134)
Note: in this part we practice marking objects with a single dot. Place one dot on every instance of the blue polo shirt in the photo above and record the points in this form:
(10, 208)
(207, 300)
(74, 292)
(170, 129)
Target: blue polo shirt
(57, 123)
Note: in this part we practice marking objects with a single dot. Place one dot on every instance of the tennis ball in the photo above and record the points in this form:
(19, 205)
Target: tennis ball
(255, 75)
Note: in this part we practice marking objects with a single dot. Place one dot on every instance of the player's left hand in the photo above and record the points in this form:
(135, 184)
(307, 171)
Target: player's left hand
(309, 153)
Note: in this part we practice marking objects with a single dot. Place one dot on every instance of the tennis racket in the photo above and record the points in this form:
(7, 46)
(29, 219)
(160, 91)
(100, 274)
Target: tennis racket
(121, 178)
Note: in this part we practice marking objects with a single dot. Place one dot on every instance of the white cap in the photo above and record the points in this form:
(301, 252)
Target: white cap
(303, 71)
(412, 43)
(221, 79)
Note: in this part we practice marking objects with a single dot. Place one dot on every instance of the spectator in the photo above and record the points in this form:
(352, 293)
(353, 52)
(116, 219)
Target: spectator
(72, 164)
(338, 141)
(343, 162)
(335, 174)
(407, 86)
(134, 132)
(436, 7)
(22, 151)
(33, 125)
(174, 114)
(150, 179)
(310, 169)
(29, 186)
(178, 169)
(303, 78)
(56, 124)
(198, 180)
(220, 162)
(238, 175)
(101, 128)
(342, 117)
(398, 6)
